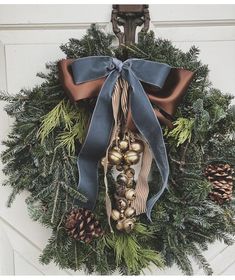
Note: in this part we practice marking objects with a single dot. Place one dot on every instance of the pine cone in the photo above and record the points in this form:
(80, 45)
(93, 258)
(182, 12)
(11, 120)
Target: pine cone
(220, 175)
(82, 225)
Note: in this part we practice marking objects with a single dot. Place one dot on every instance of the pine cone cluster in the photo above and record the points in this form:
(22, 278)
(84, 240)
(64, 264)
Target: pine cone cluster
(220, 175)
(82, 225)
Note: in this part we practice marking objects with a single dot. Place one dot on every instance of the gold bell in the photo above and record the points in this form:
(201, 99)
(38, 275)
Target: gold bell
(131, 183)
(122, 179)
(115, 157)
(130, 212)
(130, 194)
(125, 167)
(121, 190)
(130, 172)
(115, 215)
(116, 148)
(122, 203)
(120, 167)
(128, 225)
(131, 157)
(119, 225)
(137, 147)
(123, 145)
(121, 216)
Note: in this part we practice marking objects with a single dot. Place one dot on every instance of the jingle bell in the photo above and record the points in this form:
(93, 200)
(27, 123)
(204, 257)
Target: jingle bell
(123, 145)
(130, 172)
(128, 225)
(122, 203)
(130, 212)
(130, 194)
(131, 157)
(131, 183)
(122, 179)
(119, 225)
(121, 190)
(115, 215)
(120, 167)
(125, 167)
(137, 147)
(122, 216)
(115, 157)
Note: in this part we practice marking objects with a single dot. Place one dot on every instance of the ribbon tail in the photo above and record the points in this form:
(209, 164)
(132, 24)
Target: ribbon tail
(142, 187)
(96, 143)
(115, 104)
(149, 126)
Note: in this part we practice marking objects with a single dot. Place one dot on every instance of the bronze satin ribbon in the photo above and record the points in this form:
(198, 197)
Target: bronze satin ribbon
(166, 98)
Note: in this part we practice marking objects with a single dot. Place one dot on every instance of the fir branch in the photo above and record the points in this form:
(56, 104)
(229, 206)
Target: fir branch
(182, 131)
(51, 120)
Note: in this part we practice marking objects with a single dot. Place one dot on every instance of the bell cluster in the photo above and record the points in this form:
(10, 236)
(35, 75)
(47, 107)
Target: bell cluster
(125, 153)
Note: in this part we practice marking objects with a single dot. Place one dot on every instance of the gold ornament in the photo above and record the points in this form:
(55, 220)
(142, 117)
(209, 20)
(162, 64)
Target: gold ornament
(123, 145)
(131, 157)
(119, 225)
(128, 225)
(120, 167)
(130, 212)
(130, 172)
(137, 147)
(125, 167)
(122, 203)
(121, 190)
(130, 194)
(122, 179)
(115, 215)
(115, 157)
(131, 183)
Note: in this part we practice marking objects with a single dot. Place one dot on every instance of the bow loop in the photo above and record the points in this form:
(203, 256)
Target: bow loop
(91, 68)
(149, 72)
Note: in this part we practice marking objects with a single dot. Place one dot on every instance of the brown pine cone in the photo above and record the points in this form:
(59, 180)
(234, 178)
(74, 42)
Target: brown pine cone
(220, 175)
(82, 225)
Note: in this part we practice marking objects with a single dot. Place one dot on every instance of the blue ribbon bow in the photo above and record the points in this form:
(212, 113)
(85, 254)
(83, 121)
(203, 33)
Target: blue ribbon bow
(134, 71)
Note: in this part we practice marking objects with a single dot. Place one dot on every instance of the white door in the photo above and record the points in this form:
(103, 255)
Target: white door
(30, 36)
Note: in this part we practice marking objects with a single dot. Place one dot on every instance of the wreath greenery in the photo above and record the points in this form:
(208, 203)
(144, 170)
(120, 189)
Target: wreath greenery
(44, 141)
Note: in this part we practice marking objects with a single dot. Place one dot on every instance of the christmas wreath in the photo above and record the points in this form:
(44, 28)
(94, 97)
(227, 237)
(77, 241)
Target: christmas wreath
(111, 231)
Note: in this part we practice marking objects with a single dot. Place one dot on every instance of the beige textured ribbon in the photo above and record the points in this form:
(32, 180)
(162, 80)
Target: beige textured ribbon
(142, 187)
(120, 99)
(116, 105)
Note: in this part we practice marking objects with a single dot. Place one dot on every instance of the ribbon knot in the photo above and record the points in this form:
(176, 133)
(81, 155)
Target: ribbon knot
(134, 71)
(118, 64)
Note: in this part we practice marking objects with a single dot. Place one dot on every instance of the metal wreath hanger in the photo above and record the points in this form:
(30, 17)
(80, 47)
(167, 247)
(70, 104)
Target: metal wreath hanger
(129, 16)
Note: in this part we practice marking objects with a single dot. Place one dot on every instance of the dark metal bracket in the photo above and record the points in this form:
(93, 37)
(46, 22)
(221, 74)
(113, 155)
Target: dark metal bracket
(129, 16)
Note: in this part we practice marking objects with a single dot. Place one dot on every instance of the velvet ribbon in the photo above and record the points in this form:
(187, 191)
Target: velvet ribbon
(136, 72)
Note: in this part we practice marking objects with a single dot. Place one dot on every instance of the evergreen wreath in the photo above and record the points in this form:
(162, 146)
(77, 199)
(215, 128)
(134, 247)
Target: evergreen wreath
(41, 155)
